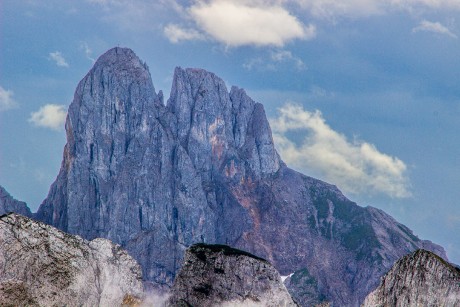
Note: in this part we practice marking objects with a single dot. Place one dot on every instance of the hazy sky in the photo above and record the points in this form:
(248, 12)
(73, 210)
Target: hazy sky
(364, 94)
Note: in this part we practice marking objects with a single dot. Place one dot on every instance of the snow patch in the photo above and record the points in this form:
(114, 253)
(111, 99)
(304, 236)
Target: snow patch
(283, 278)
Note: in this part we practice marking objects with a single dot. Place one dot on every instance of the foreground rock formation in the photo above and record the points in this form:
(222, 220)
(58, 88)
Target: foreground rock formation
(42, 266)
(419, 279)
(217, 275)
(157, 178)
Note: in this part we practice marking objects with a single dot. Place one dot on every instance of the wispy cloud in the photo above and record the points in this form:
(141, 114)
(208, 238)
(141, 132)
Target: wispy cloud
(334, 9)
(283, 56)
(133, 15)
(355, 166)
(6, 100)
(434, 27)
(49, 116)
(429, 4)
(176, 33)
(273, 60)
(58, 58)
(88, 52)
(239, 23)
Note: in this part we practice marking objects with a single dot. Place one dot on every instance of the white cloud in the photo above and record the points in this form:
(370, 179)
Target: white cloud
(6, 100)
(49, 116)
(435, 27)
(175, 33)
(355, 166)
(239, 23)
(59, 59)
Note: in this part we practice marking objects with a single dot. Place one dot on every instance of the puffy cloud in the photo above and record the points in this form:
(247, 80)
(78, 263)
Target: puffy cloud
(435, 27)
(6, 100)
(355, 166)
(175, 33)
(238, 23)
(59, 59)
(49, 116)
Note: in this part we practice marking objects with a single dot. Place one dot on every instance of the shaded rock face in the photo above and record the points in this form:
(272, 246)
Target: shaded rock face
(217, 275)
(9, 204)
(158, 178)
(419, 279)
(42, 266)
(304, 288)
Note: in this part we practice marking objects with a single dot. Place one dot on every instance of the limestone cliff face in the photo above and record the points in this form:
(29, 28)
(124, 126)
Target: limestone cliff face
(42, 266)
(217, 275)
(419, 279)
(9, 204)
(158, 178)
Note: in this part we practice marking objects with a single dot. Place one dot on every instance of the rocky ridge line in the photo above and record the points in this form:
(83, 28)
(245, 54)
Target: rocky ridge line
(9, 204)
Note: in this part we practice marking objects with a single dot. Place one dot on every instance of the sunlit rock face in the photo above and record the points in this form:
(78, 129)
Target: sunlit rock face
(217, 275)
(9, 204)
(419, 279)
(43, 266)
(157, 178)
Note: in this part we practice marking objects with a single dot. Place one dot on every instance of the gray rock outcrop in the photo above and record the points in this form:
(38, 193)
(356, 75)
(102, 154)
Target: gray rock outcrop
(218, 275)
(419, 279)
(43, 266)
(9, 204)
(158, 178)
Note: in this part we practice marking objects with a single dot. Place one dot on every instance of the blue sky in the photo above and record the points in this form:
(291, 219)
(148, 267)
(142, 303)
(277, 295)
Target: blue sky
(364, 94)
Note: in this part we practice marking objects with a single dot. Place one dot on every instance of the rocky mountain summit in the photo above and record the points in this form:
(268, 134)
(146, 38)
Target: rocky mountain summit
(419, 279)
(9, 204)
(218, 275)
(43, 266)
(157, 178)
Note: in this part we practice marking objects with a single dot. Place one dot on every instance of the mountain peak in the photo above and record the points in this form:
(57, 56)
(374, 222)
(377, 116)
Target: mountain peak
(122, 58)
(224, 125)
(203, 168)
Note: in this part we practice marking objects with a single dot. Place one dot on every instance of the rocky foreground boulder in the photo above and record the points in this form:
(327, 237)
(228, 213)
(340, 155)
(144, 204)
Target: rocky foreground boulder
(419, 279)
(218, 275)
(43, 266)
